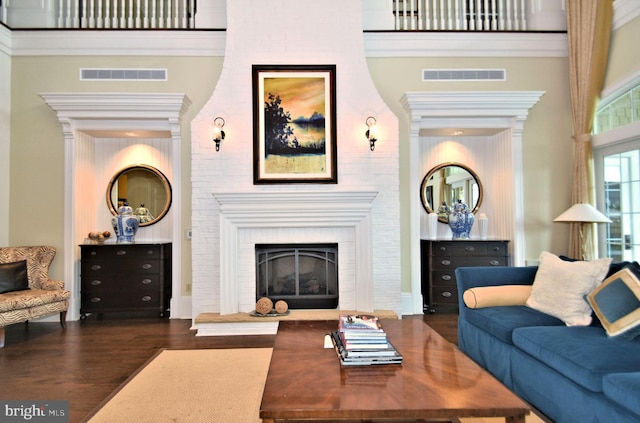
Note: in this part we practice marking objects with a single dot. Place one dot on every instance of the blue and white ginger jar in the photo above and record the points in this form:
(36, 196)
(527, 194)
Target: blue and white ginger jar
(125, 225)
(461, 221)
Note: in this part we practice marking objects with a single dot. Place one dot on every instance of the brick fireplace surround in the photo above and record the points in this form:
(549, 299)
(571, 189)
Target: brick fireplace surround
(360, 213)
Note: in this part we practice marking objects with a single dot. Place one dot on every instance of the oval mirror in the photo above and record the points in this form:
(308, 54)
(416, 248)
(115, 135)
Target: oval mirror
(447, 183)
(144, 188)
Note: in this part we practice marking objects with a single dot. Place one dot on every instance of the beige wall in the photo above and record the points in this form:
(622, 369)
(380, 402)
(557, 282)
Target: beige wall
(37, 144)
(623, 53)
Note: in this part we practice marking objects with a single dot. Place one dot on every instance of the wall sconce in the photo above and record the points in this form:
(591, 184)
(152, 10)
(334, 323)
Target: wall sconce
(371, 134)
(218, 133)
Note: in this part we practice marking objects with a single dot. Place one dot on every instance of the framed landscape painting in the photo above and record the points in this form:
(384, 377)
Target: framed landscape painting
(294, 123)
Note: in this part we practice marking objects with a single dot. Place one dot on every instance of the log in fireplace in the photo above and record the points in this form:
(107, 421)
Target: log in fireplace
(303, 275)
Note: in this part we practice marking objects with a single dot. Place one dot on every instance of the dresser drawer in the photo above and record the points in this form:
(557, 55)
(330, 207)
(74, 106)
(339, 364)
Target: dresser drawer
(100, 268)
(120, 253)
(463, 249)
(450, 262)
(131, 283)
(445, 295)
(97, 301)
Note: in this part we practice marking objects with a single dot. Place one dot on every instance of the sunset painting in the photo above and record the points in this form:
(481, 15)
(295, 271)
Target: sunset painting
(294, 125)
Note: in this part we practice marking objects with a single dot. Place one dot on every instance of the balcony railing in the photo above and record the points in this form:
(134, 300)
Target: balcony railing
(460, 15)
(385, 15)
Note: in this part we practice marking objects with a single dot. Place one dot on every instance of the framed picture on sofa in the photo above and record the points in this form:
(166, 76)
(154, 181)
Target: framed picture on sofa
(294, 123)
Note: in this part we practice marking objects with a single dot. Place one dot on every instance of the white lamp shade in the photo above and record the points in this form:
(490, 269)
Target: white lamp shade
(582, 212)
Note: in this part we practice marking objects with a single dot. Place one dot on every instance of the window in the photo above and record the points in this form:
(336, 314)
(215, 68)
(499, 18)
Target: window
(622, 110)
(618, 173)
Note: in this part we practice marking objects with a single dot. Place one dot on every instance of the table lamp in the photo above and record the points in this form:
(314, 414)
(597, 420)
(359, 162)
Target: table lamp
(582, 213)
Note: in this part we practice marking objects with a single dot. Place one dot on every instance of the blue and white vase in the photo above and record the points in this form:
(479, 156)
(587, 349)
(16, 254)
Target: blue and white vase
(125, 225)
(461, 221)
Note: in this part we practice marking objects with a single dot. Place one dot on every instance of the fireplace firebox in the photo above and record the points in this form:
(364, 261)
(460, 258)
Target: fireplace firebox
(303, 275)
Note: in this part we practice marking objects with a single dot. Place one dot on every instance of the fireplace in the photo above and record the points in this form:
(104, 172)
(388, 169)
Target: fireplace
(303, 275)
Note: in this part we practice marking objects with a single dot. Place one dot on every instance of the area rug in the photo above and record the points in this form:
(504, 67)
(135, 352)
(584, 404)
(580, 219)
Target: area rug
(201, 386)
(192, 386)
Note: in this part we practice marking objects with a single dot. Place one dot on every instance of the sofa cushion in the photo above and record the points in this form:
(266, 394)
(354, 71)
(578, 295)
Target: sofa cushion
(616, 302)
(560, 287)
(493, 296)
(583, 354)
(624, 389)
(13, 276)
(501, 321)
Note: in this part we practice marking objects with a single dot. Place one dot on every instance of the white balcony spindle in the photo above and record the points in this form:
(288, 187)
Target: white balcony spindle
(426, 9)
(487, 16)
(161, 17)
(509, 23)
(123, 14)
(192, 10)
(420, 5)
(61, 13)
(138, 11)
(523, 16)
(154, 18)
(107, 14)
(176, 16)
(145, 14)
(130, 15)
(99, 17)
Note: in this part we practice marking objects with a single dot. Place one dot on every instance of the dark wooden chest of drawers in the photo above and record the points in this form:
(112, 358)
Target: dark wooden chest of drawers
(125, 277)
(440, 259)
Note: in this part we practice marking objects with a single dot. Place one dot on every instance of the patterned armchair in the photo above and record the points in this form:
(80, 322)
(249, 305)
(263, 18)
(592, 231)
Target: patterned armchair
(44, 296)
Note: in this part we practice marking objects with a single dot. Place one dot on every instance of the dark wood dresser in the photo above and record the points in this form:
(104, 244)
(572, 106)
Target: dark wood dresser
(440, 259)
(125, 277)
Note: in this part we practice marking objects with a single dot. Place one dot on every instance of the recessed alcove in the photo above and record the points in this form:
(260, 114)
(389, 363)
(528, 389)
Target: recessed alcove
(492, 123)
(103, 133)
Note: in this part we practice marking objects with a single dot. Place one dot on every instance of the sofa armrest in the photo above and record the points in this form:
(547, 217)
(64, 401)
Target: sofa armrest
(472, 277)
(52, 285)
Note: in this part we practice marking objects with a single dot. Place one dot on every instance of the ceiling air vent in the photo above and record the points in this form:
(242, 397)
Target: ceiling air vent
(464, 75)
(123, 74)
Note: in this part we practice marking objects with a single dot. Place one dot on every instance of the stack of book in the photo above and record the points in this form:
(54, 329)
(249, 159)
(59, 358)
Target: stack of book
(361, 340)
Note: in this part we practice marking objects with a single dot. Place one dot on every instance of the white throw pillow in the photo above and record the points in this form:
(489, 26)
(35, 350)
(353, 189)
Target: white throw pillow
(560, 287)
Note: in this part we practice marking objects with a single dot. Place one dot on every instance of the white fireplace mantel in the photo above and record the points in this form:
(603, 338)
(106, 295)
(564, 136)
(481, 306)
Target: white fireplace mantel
(310, 210)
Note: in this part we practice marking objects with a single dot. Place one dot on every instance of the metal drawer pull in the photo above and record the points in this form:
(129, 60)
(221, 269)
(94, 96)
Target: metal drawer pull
(443, 248)
(96, 282)
(146, 281)
(147, 266)
(96, 267)
(446, 262)
(93, 253)
(469, 248)
(95, 300)
(146, 298)
(121, 252)
(446, 277)
(494, 263)
(446, 294)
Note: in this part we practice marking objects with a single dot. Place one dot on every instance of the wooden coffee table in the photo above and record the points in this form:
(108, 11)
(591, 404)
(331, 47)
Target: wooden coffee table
(435, 382)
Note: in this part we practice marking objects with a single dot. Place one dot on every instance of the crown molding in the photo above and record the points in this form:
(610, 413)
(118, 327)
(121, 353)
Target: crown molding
(117, 43)
(624, 11)
(465, 44)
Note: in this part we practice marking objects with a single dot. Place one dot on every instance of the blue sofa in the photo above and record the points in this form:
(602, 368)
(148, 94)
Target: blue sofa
(570, 374)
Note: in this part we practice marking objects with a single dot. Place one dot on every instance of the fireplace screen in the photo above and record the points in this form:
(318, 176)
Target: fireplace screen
(303, 275)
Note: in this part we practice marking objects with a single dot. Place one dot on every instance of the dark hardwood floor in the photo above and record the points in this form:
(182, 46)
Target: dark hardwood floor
(89, 359)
